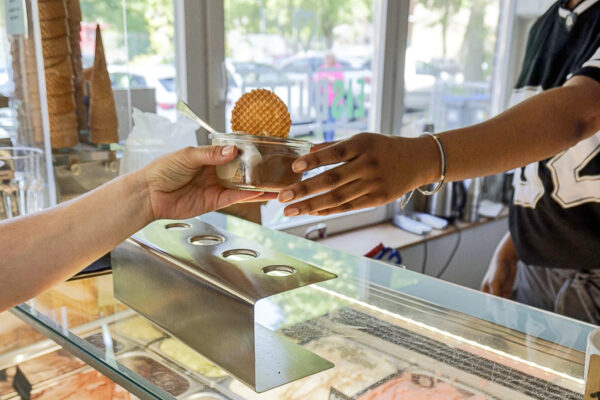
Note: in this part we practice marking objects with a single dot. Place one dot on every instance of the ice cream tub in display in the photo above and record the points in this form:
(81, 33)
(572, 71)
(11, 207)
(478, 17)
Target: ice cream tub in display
(102, 341)
(205, 396)
(263, 163)
(138, 329)
(420, 385)
(47, 367)
(40, 372)
(357, 367)
(182, 355)
(159, 374)
(87, 385)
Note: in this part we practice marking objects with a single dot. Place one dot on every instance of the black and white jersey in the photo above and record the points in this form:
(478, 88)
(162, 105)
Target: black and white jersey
(555, 215)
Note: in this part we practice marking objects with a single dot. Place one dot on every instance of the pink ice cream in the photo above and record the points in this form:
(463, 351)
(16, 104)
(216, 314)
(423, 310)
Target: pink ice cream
(417, 387)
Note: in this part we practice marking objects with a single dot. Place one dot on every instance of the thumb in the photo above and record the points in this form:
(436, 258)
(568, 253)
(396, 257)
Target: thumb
(196, 157)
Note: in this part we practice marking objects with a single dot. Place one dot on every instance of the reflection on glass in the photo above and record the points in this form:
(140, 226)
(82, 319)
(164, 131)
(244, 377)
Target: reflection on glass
(140, 54)
(315, 55)
(448, 65)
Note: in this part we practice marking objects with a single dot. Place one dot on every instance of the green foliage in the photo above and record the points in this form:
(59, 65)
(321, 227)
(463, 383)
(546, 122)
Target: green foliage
(149, 25)
(286, 18)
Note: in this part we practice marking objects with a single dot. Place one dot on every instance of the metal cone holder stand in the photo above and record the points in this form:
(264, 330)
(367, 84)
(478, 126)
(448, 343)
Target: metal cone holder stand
(202, 284)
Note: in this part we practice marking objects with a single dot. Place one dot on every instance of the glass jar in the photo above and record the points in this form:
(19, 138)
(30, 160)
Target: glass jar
(263, 163)
(21, 185)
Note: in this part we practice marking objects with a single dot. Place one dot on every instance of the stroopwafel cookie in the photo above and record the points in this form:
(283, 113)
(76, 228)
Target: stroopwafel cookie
(261, 112)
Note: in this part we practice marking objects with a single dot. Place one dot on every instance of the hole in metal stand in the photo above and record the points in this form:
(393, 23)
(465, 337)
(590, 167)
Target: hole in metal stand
(177, 226)
(279, 270)
(240, 254)
(206, 240)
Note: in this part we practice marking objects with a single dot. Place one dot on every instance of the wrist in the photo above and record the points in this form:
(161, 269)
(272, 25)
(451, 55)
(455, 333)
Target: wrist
(138, 190)
(428, 160)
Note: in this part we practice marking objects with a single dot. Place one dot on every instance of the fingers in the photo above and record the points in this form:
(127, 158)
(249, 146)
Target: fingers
(336, 153)
(326, 181)
(332, 199)
(262, 197)
(196, 157)
(365, 201)
(232, 196)
(320, 146)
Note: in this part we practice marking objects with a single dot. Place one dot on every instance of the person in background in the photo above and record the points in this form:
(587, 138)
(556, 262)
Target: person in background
(43, 249)
(551, 132)
(330, 71)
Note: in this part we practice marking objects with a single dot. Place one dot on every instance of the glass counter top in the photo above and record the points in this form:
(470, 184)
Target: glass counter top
(385, 328)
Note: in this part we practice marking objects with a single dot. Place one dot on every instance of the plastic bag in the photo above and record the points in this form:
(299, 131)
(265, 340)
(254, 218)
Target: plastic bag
(153, 136)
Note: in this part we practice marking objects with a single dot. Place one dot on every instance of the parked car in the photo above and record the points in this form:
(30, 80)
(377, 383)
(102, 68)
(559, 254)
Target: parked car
(159, 77)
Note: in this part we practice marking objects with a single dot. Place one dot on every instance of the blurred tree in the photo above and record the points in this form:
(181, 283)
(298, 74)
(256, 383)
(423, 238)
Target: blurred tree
(160, 20)
(446, 9)
(294, 19)
(149, 24)
(473, 47)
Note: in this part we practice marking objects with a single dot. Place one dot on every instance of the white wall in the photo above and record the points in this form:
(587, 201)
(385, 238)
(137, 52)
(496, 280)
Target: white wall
(470, 262)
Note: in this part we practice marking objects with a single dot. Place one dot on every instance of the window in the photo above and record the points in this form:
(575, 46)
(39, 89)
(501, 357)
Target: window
(448, 67)
(316, 56)
(145, 51)
(282, 45)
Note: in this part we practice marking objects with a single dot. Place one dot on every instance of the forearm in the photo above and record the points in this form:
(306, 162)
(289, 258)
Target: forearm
(506, 250)
(534, 130)
(43, 249)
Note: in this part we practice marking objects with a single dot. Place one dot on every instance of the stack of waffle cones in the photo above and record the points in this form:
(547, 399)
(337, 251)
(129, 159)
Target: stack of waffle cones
(58, 65)
(74, 24)
(27, 89)
(104, 126)
(60, 26)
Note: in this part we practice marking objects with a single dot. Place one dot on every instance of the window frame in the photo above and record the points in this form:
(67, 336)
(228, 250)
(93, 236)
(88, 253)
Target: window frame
(200, 44)
(200, 31)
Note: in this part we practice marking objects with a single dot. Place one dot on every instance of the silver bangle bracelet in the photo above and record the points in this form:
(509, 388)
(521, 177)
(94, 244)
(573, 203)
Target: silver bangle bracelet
(406, 198)
(443, 160)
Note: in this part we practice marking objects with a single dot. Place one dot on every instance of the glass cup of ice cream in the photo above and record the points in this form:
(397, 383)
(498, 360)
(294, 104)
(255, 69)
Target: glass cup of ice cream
(263, 163)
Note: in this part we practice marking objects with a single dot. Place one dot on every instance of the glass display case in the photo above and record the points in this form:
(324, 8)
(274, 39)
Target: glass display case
(70, 73)
(386, 329)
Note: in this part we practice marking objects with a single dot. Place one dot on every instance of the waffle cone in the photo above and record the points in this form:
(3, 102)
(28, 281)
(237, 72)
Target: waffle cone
(15, 48)
(54, 28)
(103, 111)
(52, 9)
(59, 46)
(87, 74)
(75, 43)
(61, 104)
(74, 11)
(63, 130)
(38, 134)
(30, 67)
(52, 61)
(56, 85)
(27, 82)
(82, 120)
(81, 109)
(35, 117)
(64, 69)
(33, 98)
(28, 49)
(261, 112)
